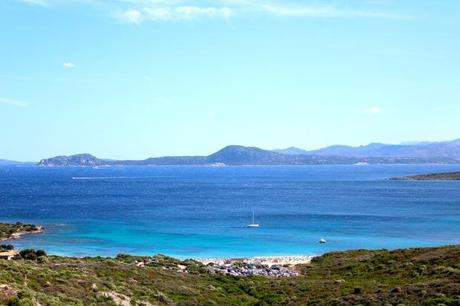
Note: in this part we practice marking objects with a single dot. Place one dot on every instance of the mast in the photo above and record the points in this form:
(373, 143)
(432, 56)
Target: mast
(253, 221)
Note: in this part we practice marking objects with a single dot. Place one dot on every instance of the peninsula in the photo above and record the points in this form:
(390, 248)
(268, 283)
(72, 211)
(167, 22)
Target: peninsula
(446, 176)
(13, 231)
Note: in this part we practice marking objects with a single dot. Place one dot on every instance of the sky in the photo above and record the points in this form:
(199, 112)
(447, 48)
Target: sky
(131, 79)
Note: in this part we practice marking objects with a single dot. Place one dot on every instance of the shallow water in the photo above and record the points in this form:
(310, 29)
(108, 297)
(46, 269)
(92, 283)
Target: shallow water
(202, 211)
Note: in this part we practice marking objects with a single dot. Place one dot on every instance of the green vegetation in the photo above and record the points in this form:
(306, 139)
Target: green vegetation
(421, 276)
(6, 247)
(8, 230)
(432, 176)
(31, 254)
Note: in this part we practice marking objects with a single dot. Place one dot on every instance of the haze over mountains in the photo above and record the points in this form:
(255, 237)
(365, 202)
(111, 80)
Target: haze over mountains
(445, 149)
(5, 162)
(426, 152)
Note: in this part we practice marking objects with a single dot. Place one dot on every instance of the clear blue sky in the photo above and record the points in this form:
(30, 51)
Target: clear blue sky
(140, 78)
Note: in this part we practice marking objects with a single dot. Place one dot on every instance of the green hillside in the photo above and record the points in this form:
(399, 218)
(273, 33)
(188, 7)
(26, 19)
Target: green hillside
(422, 276)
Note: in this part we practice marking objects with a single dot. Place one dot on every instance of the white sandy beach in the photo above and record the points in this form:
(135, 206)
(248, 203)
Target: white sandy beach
(264, 260)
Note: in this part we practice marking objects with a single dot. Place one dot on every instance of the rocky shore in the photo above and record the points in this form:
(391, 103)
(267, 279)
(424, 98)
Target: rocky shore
(18, 235)
(280, 266)
(276, 266)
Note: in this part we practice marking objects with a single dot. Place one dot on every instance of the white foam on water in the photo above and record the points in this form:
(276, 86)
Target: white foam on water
(107, 177)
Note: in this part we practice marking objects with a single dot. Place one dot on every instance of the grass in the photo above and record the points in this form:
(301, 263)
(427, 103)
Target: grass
(420, 276)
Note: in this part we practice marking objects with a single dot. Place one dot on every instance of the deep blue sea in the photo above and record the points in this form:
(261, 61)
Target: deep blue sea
(202, 211)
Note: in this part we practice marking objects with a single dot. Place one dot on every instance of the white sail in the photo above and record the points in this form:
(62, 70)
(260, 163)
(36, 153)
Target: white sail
(253, 224)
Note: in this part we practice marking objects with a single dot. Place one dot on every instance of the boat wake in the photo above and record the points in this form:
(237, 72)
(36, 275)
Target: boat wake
(107, 177)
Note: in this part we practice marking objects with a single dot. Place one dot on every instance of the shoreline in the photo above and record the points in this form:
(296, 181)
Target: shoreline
(416, 276)
(20, 234)
(272, 266)
(262, 260)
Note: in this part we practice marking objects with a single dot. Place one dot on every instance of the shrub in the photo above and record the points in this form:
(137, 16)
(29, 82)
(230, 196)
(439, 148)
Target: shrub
(42, 259)
(21, 302)
(28, 254)
(24, 298)
(7, 247)
(31, 254)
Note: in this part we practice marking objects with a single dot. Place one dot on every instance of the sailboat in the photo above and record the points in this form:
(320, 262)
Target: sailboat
(253, 224)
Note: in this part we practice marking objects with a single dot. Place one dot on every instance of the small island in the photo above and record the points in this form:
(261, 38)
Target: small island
(447, 176)
(13, 231)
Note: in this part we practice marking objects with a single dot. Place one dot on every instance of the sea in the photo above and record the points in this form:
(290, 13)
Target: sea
(202, 212)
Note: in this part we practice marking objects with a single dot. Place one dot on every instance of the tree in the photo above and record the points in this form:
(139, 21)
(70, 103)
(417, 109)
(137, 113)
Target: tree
(28, 254)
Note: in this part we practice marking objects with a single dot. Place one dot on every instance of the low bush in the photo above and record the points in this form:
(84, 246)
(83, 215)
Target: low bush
(6, 247)
(31, 254)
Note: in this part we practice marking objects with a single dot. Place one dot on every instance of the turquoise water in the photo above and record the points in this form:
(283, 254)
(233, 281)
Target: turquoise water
(202, 211)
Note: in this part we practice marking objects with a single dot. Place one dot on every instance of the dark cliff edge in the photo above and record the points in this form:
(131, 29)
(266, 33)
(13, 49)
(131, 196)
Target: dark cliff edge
(447, 176)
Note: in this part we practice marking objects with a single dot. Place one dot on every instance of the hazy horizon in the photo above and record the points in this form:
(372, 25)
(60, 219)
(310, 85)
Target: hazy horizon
(135, 79)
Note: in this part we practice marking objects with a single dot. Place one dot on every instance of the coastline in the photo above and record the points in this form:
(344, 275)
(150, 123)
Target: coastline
(274, 266)
(440, 176)
(411, 276)
(262, 260)
(20, 234)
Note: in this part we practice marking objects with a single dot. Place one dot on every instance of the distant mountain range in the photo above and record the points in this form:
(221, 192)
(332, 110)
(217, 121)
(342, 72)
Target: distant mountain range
(429, 150)
(5, 162)
(292, 151)
(374, 153)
